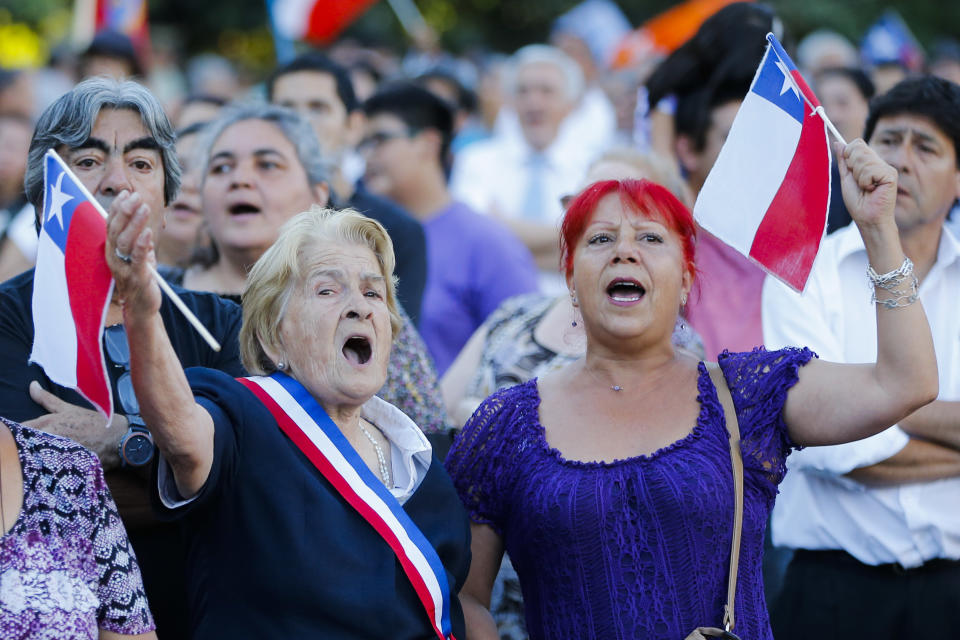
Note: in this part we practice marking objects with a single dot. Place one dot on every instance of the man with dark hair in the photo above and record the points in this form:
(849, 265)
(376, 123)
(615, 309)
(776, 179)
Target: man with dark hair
(445, 84)
(111, 54)
(319, 89)
(197, 109)
(117, 140)
(875, 523)
(474, 263)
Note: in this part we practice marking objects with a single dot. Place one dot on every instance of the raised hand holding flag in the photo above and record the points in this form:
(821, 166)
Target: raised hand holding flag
(768, 192)
(73, 286)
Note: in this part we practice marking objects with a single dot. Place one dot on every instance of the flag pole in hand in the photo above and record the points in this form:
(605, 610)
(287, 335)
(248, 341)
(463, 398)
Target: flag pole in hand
(804, 90)
(191, 318)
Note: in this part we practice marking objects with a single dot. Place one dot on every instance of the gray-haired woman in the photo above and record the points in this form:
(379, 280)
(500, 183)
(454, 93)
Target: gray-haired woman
(290, 484)
(263, 165)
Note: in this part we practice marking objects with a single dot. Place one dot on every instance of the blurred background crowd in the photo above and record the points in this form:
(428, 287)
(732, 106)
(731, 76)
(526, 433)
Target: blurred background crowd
(463, 126)
(528, 119)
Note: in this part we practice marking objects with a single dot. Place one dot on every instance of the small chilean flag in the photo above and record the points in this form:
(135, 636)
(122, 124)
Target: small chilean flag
(768, 192)
(314, 20)
(72, 286)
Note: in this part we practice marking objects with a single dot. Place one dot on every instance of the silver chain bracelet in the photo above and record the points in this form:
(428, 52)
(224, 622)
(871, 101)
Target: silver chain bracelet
(901, 284)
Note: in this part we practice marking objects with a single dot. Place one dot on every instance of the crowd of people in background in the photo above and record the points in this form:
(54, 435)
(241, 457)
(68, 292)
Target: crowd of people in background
(492, 256)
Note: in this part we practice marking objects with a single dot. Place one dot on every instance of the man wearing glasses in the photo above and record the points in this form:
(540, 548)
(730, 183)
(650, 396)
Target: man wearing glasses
(116, 138)
(473, 261)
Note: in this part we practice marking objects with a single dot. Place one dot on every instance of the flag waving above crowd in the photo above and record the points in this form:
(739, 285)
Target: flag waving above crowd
(768, 193)
(72, 288)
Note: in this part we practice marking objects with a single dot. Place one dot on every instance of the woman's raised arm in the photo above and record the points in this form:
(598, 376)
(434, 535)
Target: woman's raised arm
(182, 430)
(834, 403)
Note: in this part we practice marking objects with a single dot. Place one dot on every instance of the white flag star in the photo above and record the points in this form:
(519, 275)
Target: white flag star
(788, 82)
(57, 199)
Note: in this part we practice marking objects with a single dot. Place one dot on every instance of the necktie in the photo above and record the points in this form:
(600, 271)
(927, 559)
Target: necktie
(534, 201)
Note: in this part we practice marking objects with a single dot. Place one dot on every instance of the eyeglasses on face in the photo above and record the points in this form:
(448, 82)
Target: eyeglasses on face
(378, 138)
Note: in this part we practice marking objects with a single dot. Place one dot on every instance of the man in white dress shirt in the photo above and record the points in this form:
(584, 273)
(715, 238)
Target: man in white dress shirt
(521, 180)
(876, 523)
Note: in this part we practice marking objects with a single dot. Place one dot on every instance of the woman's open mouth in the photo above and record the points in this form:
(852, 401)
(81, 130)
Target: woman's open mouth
(625, 291)
(243, 208)
(357, 350)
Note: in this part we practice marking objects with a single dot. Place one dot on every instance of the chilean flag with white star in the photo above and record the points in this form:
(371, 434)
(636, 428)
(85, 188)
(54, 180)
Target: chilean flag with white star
(768, 193)
(72, 286)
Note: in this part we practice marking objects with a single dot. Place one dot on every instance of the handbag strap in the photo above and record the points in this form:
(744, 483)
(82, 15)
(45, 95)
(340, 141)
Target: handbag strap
(733, 430)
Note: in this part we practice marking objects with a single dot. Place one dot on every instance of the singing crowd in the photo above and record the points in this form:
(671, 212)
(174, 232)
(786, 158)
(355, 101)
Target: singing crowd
(482, 374)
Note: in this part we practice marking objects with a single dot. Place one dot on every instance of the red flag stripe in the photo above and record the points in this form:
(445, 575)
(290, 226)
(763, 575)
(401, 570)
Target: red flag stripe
(88, 283)
(330, 17)
(789, 235)
(805, 88)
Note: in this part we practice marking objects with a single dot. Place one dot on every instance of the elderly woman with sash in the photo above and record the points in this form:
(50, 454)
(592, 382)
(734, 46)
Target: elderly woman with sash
(312, 509)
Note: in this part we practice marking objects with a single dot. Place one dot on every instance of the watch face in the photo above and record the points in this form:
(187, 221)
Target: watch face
(137, 449)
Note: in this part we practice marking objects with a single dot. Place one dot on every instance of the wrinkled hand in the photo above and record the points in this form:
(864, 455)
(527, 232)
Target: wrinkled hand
(85, 426)
(869, 184)
(129, 234)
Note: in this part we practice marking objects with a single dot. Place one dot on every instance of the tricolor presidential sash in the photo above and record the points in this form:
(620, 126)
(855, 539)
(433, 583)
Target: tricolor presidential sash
(305, 422)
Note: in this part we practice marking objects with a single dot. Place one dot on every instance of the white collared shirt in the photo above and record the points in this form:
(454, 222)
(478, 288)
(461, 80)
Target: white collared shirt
(492, 177)
(410, 451)
(410, 454)
(818, 507)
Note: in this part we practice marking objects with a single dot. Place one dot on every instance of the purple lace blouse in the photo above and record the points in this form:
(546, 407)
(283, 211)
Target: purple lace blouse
(639, 547)
(66, 566)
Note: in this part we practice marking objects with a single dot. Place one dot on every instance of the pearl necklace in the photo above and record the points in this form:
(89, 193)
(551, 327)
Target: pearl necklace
(381, 459)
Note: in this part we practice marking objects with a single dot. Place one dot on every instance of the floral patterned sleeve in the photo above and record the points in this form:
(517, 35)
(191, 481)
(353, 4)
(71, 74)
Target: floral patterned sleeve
(123, 602)
(412, 384)
(67, 565)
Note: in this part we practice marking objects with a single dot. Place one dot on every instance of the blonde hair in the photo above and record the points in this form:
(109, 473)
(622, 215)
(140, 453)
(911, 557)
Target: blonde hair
(273, 277)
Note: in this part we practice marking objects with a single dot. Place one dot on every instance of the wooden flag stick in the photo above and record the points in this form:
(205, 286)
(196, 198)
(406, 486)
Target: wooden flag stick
(184, 309)
(817, 109)
(833, 129)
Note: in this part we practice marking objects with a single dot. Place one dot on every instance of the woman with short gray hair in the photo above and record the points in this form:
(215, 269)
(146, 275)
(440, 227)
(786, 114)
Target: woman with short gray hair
(315, 504)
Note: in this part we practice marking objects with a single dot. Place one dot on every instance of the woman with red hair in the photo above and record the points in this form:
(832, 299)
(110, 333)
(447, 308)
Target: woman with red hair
(610, 481)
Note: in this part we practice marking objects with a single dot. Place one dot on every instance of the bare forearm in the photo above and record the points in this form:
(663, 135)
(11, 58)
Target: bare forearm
(919, 461)
(182, 430)
(938, 422)
(479, 622)
(906, 367)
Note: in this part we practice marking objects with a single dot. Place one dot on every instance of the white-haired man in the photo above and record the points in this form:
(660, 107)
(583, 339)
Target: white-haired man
(522, 178)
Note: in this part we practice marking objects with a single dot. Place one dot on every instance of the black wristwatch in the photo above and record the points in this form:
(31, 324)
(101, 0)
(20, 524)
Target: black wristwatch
(136, 446)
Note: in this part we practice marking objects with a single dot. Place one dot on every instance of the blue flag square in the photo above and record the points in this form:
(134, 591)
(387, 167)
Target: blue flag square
(61, 196)
(773, 83)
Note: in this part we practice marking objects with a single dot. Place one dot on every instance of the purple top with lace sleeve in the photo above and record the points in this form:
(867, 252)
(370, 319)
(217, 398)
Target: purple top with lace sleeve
(640, 547)
(66, 566)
